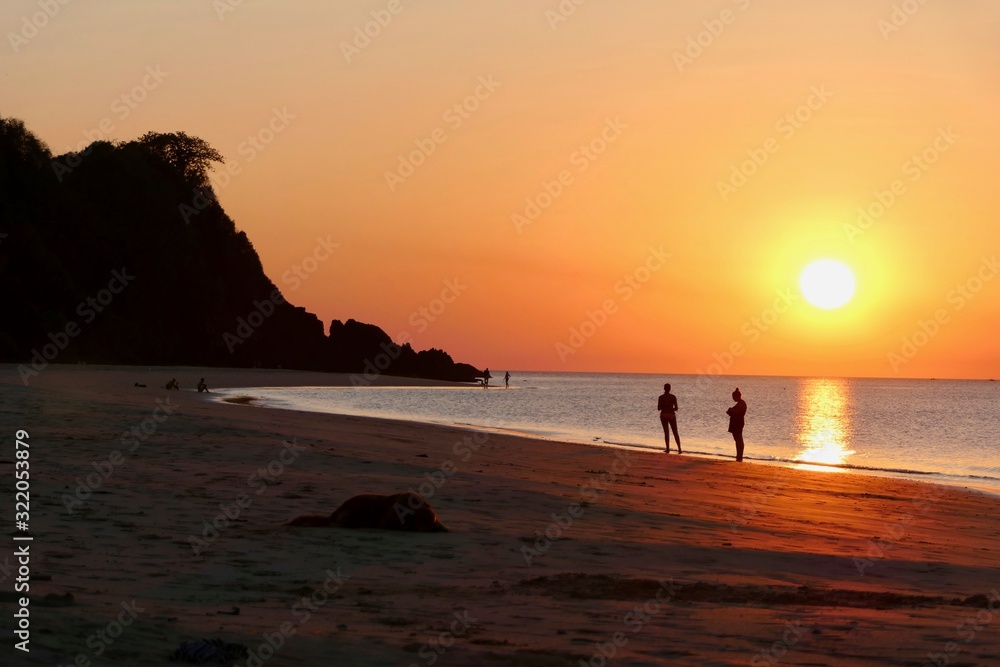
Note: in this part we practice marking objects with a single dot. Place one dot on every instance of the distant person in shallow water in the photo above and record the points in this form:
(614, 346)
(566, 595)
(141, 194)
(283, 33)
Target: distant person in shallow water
(667, 405)
(202, 387)
(486, 378)
(736, 414)
(506, 380)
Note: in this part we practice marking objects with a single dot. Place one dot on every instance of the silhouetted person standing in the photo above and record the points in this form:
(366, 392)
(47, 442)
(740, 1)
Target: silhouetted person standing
(506, 380)
(736, 414)
(667, 405)
(486, 378)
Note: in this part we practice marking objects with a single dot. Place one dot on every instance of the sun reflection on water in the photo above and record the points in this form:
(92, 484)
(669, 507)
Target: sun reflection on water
(824, 424)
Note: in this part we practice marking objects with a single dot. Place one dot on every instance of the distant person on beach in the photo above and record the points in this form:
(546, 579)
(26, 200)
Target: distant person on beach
(202, 387)
(172, 385)
(486, 378)
(506, 380)
(667, 405)
(736, 414)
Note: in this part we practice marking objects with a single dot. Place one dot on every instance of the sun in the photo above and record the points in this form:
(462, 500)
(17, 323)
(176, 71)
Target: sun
(827, 284)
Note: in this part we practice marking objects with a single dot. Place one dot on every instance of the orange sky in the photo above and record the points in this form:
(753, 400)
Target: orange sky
(673, 129)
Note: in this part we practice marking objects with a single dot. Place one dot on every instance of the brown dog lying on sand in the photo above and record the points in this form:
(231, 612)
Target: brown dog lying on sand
(400, 511)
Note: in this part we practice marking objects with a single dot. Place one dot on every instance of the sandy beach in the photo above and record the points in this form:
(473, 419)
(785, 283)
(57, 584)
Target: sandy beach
(156, 519)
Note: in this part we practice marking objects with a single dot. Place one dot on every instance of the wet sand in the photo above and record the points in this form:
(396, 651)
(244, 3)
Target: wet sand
(558, 553)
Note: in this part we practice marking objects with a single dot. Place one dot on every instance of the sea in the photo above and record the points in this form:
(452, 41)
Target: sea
(941, 431)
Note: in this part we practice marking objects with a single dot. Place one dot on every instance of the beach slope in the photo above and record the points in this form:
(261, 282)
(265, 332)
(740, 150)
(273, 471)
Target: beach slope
(157, 515)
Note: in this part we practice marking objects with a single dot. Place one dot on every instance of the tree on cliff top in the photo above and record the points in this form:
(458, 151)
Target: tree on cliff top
(190, 156)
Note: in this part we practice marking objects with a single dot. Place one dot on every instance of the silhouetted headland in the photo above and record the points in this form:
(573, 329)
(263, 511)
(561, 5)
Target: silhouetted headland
(122, 254)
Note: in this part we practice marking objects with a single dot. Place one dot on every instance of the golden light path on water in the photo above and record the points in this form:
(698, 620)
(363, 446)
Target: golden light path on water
(824, 424)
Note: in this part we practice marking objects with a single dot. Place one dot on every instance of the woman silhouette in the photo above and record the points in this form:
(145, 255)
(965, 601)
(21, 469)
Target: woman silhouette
(736, 414)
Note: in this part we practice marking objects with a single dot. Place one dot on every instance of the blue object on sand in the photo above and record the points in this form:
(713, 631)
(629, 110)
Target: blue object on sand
(209, 651)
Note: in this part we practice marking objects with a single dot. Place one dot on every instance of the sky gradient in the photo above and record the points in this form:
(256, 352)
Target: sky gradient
(628, 187)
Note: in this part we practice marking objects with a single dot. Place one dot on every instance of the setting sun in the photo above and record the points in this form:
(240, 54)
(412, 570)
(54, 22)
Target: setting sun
(827, 284)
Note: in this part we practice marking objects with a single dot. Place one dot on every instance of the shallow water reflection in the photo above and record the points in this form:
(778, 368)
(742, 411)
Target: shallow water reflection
(824, 423)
